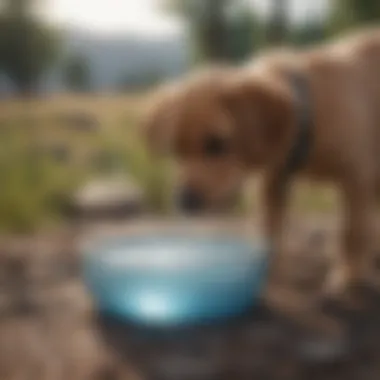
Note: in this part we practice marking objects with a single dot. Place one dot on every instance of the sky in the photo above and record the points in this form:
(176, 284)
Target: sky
(108, 16)
(144, 16)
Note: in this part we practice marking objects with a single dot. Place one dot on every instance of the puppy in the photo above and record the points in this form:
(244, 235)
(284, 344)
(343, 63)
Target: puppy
(313, 113)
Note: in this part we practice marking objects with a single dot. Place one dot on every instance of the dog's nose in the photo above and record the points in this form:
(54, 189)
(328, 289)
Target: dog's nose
(190, 201)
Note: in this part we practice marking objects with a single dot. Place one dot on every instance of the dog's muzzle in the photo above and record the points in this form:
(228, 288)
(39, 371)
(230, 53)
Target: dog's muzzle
(190, 201)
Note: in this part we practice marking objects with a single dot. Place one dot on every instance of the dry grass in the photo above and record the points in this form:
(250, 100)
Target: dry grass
(38, 186)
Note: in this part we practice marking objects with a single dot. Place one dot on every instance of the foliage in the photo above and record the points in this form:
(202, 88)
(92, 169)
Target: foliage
(142, 80)
(354, 13)
(77, 74)
(277, 27)
(33, 185)
(27, 46)
(36, 187)
(245, 34)
(224, 30)
(308, 34)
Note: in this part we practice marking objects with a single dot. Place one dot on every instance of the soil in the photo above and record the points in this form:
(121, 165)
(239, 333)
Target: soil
(50, 330)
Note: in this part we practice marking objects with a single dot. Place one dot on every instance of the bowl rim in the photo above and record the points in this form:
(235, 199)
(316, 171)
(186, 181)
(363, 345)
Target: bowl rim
(233, 228)
(108, 254)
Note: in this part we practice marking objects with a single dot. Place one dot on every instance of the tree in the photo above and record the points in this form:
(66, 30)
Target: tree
(277, 31)
(76, 74)
(354, 13)
(308, 33)
(245, 34)
(207, 23)
(27, 46)
(222, 30)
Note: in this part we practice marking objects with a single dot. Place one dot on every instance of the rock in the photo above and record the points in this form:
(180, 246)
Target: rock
(112, 198)
(178, 366)
(322, 349)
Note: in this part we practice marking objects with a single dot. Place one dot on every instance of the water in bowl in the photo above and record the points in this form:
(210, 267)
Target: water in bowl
(166, 280)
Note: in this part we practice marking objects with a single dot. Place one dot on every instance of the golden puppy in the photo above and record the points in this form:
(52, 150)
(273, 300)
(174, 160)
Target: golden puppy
(224, 123)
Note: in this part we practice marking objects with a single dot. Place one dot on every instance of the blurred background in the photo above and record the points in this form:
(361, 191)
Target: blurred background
(75, 77)
(75, 80)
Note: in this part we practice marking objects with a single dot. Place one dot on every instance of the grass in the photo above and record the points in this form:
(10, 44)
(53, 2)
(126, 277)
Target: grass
(36, 185)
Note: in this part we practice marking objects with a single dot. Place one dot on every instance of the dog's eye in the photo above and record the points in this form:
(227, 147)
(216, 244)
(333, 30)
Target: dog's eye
(215, 146)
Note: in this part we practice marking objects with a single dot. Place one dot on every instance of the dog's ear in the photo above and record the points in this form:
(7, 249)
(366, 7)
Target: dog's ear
(263, 112)
(159, 122)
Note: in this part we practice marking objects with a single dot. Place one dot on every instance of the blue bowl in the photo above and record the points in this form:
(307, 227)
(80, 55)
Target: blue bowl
(167, 280)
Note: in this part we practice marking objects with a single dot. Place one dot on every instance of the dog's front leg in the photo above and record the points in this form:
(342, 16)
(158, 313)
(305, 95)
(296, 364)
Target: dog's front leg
(275, 195)
(358, 238)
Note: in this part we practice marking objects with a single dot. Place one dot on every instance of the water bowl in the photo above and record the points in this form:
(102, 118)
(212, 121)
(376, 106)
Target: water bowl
(174, 279)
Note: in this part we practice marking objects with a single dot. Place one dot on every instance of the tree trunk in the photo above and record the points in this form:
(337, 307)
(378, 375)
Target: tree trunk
(214, 31)
(278, 25)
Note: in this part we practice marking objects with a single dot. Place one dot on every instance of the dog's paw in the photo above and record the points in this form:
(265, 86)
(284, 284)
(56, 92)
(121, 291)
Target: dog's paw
(357, 297)
(369, 292)
(342, 295)
(342, 307)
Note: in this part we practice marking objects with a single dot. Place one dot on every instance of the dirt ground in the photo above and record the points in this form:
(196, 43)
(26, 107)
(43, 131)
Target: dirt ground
(49, 329)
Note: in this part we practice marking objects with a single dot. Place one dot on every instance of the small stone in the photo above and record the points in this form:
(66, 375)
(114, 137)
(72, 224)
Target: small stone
(322, 349)
(178, 366)
(118, 197)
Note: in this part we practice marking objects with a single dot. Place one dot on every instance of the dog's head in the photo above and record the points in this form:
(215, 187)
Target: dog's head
(218, 126)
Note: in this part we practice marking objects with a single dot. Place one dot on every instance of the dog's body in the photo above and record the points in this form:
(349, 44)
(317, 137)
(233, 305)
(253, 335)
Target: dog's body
(232, 121)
